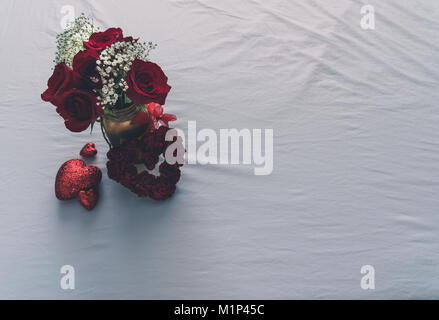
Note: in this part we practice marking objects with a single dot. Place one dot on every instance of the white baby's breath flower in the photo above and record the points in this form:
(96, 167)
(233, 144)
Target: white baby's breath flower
(116, 61)
(70, 41)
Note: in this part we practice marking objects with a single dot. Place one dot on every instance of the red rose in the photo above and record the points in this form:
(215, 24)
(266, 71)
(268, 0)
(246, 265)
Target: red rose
(100, 40)
(78, 108)
(84, 63)
(62, 80)
(147, 83)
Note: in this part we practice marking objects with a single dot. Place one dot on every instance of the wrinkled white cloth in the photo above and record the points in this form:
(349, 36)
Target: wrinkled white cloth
(356, 162)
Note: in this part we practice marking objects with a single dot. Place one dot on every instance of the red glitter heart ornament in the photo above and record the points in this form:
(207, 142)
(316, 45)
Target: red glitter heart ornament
(88, 198)
(73, 176)
(89, 150)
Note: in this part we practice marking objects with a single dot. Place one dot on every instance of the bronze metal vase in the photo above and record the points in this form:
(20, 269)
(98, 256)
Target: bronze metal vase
(118, 126)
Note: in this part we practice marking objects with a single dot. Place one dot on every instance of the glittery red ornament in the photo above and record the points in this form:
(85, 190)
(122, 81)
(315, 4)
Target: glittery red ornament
(73, 176)
(88, 198)
(89, 150)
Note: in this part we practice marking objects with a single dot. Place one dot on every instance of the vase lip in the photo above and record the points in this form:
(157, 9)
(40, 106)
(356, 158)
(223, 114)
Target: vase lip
(124, 114)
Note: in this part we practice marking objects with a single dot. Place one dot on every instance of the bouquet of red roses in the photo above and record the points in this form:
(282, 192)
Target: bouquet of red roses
(99, 74)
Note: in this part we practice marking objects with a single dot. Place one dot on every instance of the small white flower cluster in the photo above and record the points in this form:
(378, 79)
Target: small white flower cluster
(70, 41)
(113, 65)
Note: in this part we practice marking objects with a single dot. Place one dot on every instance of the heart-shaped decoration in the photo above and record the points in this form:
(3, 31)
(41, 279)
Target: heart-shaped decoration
(74, 176)
(89, 150)
(88, 198)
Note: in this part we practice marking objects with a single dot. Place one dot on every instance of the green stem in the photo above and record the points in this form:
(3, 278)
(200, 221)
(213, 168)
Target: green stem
(103, 132)
(122, 99)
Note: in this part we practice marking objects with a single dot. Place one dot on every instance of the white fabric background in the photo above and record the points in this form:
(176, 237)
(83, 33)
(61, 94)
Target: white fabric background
(356, 163)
